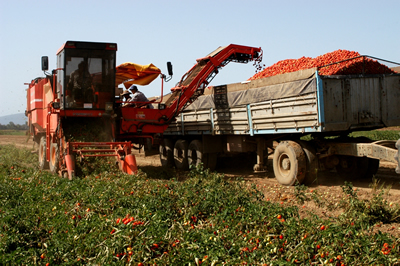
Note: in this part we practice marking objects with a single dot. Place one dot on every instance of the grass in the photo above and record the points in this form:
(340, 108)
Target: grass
(110, 218)
(378, 134)
(373, 135)
(12, 132)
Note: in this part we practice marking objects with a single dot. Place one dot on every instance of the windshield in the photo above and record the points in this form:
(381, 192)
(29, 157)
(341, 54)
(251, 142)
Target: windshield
(89, 78)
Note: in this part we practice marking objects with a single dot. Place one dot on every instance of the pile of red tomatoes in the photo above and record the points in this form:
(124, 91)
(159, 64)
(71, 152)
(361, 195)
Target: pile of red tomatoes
(339, 62)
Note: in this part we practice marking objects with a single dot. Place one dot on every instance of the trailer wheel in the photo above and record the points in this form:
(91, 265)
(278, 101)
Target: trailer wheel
(195, 154)
(43, 163)
(54, 158)
(373, 167)
(289, 163)
(211, 161)
(312, 162)
(166, 150)
(397, 157)
(180, 154)
(351, 167)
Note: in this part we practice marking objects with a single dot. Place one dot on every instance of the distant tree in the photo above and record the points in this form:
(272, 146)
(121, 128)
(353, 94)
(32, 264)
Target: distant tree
(12, 126)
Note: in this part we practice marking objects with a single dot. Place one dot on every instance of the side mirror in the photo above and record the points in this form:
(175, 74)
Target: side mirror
(45, 63)
(169, 67)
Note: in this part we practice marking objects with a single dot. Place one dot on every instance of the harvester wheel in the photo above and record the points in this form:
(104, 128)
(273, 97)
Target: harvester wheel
(43, 163)
(180, 154)
(54, 158)
(167, 153)
(195, 154)
(290, 163)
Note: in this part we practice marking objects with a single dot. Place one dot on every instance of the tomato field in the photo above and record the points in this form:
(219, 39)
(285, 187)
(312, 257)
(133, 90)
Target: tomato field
(154, 218)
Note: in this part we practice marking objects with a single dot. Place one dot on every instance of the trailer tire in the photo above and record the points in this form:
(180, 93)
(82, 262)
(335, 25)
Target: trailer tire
(351, 167)
(312, 162)
(43, 163)
(196, 156)
(166, 150)
(289, 163)
(211, 161)
(373, 167)
(180, 154)
(54, 158)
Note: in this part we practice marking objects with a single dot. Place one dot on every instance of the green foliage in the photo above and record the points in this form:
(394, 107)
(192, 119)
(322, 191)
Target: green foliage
(378, 134)
(369, 212)
(373, 135)
(12, 127)
(13, 132)
(110, 218)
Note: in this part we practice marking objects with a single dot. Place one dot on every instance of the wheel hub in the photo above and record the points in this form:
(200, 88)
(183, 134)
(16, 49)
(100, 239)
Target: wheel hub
(286, 164)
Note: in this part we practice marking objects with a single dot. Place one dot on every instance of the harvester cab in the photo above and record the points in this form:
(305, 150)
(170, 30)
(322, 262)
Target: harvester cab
(70, 111)
(86, 73)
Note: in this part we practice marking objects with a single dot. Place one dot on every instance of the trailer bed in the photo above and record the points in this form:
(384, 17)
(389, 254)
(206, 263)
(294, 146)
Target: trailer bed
(300, 102)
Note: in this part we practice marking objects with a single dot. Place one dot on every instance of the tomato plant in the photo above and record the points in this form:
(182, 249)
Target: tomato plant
(206, 219)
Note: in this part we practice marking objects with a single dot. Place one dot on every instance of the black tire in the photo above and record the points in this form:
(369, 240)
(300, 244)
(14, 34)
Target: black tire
(351, 167)
(211, 161)
(54, 158)
(397, 157)
(290, 163)
(312, 162)
(195, 154)
(43, 163)
(373, 167)
(166, 150)
(180, 154)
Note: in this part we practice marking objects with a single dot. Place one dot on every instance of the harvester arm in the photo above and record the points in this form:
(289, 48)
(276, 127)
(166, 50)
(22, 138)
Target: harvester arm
(140, 122)
(193, 83)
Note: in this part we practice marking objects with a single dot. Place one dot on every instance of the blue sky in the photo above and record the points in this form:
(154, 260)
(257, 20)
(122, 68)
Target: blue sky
(182, 31)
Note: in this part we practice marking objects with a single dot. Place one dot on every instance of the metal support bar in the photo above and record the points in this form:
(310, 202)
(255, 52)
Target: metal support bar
(260, 167)
(378, 150)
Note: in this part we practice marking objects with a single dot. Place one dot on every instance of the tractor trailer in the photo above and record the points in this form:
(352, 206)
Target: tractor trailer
(273, 113)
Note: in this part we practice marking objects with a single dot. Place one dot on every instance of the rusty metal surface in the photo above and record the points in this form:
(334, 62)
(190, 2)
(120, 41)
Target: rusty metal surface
(361, 103)
(379, 150)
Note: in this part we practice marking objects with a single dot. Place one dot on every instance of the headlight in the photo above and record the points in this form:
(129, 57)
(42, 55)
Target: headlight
(56, 105)
(109, 107)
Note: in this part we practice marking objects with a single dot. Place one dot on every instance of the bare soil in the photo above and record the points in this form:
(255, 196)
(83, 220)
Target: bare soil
(328, 184)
